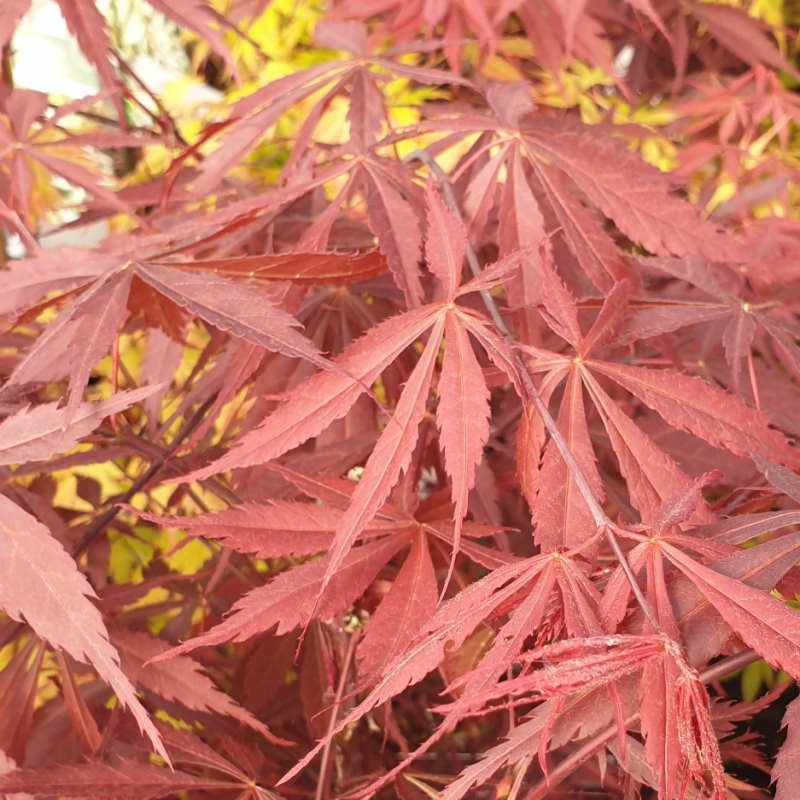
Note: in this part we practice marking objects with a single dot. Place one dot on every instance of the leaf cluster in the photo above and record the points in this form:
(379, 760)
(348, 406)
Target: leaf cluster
(406, 433)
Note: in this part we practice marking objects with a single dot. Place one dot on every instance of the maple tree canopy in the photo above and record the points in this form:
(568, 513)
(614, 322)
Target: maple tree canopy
(401, 399)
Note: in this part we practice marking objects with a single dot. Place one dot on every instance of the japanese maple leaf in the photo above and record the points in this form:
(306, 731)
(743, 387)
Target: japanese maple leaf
(683, 401)
(555, 28)
(390, 213)
(391, 196)
(736, 315)
(302, 528)
(186, 244)
(291, 599)
(761, 620)
(362, 75)
(552, 168)
(731, 111)
(78, 338)
(160, 284)
(704, 632)
(449, 627)
(537, 585)
(41, 584)
(84, 331)
(745, 36)
(410, 601)
(316, 402)
(29, 142)
(98, 306)
(679, 739)
(529, 587)
(735, 586)
(454, 21)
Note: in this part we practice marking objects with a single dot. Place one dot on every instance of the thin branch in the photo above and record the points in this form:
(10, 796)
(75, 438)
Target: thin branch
(322, 782)
(601, 519)
(728, 665)
(97, 527)
(631, 578)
